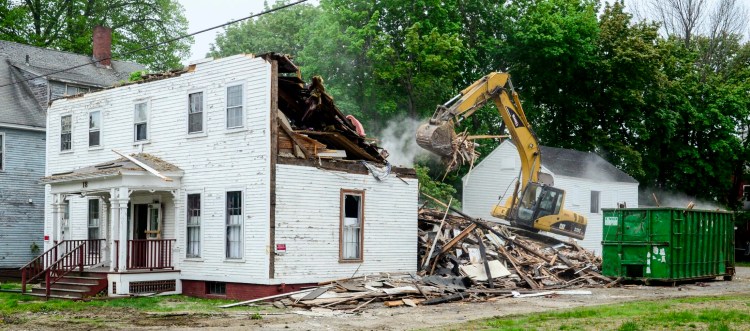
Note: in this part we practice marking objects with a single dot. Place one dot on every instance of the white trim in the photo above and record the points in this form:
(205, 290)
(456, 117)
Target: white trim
(225, 107)
(242, 226)
(204, 129)
(22, 127)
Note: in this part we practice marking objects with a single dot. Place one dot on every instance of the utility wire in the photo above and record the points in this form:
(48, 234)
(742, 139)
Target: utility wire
(159, 44)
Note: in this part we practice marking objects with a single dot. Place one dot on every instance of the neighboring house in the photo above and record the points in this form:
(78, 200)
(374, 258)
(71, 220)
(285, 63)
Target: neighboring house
(236, 181)
(23, 102)
(590, 183)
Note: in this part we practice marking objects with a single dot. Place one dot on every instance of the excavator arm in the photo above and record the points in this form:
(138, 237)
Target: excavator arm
(539, 205)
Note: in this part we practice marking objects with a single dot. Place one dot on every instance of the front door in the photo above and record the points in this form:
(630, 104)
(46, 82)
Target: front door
(146, 225)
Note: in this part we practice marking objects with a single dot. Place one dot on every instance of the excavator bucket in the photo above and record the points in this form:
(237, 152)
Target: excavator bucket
(437, 138)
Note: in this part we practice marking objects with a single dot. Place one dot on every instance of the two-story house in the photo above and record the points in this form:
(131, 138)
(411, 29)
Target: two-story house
(230, 178)
(31, 77)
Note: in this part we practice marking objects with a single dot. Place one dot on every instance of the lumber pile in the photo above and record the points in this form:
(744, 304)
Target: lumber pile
(462, 259)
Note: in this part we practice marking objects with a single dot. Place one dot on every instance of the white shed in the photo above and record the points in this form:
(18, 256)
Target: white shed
(590, 182)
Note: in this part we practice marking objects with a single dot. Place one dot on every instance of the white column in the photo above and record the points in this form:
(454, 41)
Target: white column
(124, 198)
(56, 226)
(104, 250)
(114, 226)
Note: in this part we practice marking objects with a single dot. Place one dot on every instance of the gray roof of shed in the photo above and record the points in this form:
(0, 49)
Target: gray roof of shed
(18, 105)
(572, 163)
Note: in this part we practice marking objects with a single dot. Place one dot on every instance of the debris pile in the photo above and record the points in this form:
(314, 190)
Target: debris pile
(462, 259)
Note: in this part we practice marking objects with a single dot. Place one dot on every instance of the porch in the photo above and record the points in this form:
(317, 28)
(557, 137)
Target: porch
(113, 218)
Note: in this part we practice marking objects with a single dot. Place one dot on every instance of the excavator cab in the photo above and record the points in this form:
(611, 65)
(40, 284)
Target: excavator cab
(538, 200)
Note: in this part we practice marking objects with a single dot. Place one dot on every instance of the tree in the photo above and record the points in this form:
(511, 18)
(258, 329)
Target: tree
(68, 25)
(284, 31)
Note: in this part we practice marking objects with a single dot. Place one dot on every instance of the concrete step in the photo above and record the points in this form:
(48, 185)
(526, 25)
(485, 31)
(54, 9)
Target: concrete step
(81, 279)
(62, 292)
(41, 295)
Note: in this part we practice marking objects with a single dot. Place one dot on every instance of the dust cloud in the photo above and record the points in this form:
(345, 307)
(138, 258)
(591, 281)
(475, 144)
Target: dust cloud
(398, 138)
(677, 200)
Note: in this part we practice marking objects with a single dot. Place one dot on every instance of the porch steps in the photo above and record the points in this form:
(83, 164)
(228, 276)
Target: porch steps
(74, 286)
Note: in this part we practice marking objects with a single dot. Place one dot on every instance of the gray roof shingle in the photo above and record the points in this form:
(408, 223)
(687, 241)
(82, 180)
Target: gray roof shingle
(572, 163)
(17, 103)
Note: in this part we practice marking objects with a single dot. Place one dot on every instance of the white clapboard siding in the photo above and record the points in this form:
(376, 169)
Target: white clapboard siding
(491, 177)
(307, 221)
(219, 161)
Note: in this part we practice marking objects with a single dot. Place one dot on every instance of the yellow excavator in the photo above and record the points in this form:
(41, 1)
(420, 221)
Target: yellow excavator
(538, 204)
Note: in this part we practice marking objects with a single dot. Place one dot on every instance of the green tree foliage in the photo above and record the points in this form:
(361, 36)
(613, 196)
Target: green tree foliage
(285, 31)
(436, 189)
(68, 25)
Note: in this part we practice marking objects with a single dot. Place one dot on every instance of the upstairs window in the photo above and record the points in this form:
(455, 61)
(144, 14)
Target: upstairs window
(66, 123)
(140, 120)
(95, 125)
(234, 107)
(195, 112)
(73, 89)
(595, 202)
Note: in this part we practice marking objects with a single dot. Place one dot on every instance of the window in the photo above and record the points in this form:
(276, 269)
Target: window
(93, 219)
(193, 225)
(195, 112)
(216, 288)
(95, 125)
(595, 202)
(351, 231)
(2, 151)
(234, 107)
(234, 225)
(140, 120)
(73, 90)
(66, 123)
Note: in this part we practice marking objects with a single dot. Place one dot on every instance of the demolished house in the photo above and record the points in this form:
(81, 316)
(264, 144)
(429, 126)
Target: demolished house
(232, 178)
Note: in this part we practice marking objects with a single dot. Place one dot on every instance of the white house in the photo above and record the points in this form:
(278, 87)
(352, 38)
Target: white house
(590, 184)
(231, 178)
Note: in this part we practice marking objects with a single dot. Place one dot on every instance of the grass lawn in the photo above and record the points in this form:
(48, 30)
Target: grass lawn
(16, 308)
(699, 313)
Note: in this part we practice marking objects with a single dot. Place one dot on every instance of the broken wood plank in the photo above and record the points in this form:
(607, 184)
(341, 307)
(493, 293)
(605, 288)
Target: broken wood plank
(265, 298)
(445, 298)
(483, 252)
(314, 294)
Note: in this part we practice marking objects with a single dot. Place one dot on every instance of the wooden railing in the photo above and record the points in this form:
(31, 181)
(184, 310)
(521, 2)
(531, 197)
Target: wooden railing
(73, 260)
(39, 266)
(150, 254)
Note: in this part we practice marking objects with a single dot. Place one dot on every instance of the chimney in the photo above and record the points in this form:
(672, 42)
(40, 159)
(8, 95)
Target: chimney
(103, 45)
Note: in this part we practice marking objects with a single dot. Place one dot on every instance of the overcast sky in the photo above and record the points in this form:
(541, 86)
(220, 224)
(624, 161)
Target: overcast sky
(204, 14)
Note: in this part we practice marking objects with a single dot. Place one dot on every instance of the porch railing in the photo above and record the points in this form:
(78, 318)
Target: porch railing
(150, 254)
(89, 253)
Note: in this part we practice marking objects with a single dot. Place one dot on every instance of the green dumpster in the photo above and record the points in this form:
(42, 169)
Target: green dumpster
(667, 244)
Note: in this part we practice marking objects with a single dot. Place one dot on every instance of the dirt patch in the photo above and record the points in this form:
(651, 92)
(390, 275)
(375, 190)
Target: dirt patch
(376, 317)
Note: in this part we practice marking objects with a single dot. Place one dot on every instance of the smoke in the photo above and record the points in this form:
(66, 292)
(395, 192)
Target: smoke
(398, 138)
(677, 200)
(598, 169)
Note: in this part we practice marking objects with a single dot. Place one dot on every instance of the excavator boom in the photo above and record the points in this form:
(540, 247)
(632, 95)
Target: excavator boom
(535, 204)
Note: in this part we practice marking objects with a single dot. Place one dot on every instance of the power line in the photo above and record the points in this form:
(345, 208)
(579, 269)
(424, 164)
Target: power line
(161, 43)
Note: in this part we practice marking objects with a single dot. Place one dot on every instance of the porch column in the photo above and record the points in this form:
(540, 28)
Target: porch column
(56, 233)
(124, 200)
(114, 227)
(105, 248)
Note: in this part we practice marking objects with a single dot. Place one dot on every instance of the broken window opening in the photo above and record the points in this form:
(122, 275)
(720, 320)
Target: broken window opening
(140, 129)
(193, 225)
(595, 202)
(95, 125)
(216, 288)
(352, 219)
(234, 225)
(195, 112)
(66, 123)
(234, 107)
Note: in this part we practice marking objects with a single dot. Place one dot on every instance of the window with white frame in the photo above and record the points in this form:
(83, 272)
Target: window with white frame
(351, 230)
(193, 225)
(93, 219)
(2, 151)
(95, 127)
(66, 126)
(234, 225)
(234, 107)
(195, 112)
(595, 201)
(140, 122)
